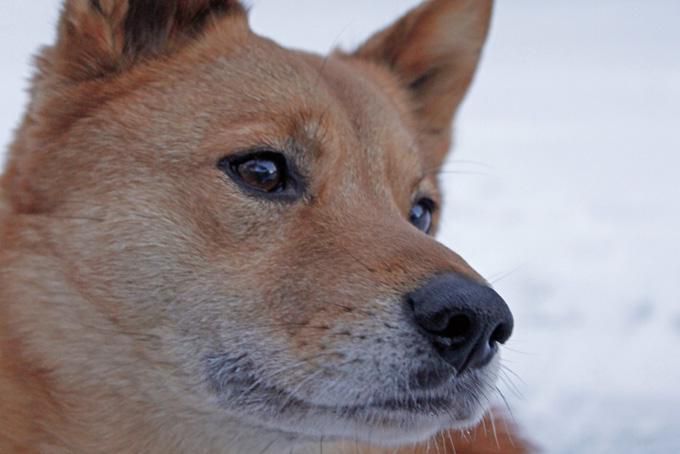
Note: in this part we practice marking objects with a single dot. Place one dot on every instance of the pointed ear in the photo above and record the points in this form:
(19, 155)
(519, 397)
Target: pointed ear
(97, 37)
(434, 50)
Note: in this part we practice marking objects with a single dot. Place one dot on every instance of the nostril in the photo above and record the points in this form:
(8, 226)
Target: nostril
(459, 327)
(500, 334)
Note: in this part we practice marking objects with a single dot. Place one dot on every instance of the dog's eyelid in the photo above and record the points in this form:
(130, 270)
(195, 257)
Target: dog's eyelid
(426, 186)
(431, 195)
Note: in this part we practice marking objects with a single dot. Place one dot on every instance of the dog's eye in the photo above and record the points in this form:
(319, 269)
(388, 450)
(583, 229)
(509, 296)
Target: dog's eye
(263, 171)
(421, 214)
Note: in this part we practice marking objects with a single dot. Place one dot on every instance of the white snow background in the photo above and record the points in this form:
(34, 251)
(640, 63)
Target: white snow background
(563, 191)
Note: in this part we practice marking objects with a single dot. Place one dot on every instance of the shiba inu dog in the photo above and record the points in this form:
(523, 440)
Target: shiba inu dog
(209, 243)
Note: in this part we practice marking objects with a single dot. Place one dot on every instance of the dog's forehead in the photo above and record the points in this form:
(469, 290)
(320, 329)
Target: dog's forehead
(376, 110)
(346, 108)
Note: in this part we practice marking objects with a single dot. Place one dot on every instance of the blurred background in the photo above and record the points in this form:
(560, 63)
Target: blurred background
(564, 191)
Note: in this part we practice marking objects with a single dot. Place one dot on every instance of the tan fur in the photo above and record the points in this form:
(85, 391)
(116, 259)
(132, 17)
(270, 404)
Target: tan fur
(4, 206)
(128, 260)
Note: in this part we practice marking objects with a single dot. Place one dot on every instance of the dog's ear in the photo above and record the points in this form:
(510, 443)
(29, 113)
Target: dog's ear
(434, 50)
(97, 37)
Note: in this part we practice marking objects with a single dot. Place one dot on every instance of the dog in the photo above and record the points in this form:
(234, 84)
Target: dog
(210, 243)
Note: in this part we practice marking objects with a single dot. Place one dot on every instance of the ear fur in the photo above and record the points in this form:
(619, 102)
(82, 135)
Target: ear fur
(97, 37)
(434, 50)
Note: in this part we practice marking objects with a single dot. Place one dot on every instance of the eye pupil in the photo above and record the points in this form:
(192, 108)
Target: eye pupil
(421, 215)
(261, 173)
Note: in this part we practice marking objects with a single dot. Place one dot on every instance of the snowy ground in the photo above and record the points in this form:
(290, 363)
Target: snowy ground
(571, 203)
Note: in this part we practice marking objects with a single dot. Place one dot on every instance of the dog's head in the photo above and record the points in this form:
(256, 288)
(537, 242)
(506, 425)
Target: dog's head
(265, 216)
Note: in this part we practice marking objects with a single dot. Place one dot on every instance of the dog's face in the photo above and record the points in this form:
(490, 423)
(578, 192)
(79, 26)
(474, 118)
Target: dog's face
(263, 217)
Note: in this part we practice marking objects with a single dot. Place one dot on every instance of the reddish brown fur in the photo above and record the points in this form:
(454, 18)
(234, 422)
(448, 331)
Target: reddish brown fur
(115, 233)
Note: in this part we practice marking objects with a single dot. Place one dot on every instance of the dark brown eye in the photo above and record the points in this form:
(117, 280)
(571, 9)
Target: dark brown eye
(421, 214)
(262, 173)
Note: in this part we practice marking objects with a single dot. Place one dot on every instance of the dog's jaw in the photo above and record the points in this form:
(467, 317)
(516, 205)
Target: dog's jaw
(459, 404)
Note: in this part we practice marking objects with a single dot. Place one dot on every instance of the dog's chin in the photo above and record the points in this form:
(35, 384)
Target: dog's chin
(389, 423)
(385, 422)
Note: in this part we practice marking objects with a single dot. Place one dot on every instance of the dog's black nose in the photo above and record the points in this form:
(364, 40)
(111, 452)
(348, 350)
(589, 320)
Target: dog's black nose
(465, 321)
